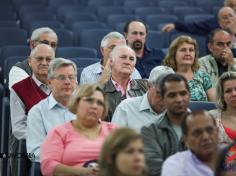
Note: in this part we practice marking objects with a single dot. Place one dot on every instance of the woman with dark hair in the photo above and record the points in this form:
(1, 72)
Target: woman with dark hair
(182, 57)
(74, 147)
(122, 154)
(225, 115)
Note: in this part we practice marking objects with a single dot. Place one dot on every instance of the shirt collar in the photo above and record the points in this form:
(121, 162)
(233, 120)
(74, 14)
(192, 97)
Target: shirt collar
(52, 102)
(144, 105)
(39, 83)
(118, 87)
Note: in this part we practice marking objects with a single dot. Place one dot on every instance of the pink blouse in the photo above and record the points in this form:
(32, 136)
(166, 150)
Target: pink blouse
(64, 145)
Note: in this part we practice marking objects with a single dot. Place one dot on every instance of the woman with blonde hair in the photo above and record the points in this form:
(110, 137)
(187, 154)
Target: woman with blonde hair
(182, 57)
(70, 148)
(225, 115)
(122, 154)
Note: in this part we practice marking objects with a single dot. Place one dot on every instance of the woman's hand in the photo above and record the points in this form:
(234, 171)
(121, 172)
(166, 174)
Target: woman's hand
(88, 171)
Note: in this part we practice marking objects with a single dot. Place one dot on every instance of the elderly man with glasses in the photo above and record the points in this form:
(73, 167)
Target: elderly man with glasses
(28, 92)
(22, 70)
(52, 111)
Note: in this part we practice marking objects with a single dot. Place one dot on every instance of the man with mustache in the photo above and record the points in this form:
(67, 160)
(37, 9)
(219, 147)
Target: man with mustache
(147, 58)
(221, 58)
(163, 137)
(200, 136)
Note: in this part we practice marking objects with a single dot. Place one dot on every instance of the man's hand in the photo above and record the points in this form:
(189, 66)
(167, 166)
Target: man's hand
(227, 55)
(106, 73)
(168, 27)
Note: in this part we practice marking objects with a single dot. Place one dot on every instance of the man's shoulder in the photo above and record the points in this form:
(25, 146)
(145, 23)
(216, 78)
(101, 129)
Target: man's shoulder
(157, 125)
(206, 58)
(177, 159)
(92, 67)
(23, 83)
(154, 52)
(131, 102)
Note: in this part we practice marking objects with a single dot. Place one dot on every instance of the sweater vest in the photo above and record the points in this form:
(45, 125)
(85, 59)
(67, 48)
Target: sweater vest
(29, 93)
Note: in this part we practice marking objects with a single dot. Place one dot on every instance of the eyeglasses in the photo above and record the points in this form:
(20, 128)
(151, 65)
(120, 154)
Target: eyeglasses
(52, 44)
(91, 101)
(64, 77)
(41, 59)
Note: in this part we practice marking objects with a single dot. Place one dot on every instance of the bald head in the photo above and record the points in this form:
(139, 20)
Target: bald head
(225, 17)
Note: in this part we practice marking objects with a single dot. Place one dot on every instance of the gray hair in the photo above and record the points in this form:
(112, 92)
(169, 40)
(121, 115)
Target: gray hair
(111, 35)
(58, 63)
(35, 50)
(39, 31)
(158, 73)
(114, 52)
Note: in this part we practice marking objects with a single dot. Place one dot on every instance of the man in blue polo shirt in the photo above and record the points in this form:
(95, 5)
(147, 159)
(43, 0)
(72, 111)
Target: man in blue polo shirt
(147, 58)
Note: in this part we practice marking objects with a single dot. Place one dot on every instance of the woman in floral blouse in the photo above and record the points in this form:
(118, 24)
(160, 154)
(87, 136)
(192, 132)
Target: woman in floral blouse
(182, 58)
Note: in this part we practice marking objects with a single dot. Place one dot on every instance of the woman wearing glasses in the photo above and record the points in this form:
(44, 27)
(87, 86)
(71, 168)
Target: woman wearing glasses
(74, 147)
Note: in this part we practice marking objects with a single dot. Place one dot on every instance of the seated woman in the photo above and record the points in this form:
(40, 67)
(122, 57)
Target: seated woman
(182, 58)
(69, 148)
(122, 154)
(225, 115)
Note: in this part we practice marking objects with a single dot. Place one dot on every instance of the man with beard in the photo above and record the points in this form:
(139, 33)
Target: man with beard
(147, 58)
(221, 58)
(200, 136)
(163, 137)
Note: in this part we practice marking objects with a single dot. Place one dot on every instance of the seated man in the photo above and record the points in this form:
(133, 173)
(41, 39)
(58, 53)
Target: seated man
(121, 85)
(221, 58)
(28, 92)
(52, 111)
(100, 71)
(163, 137)
(147, 58)
(22, 70)
(200, 135)
(138, 111)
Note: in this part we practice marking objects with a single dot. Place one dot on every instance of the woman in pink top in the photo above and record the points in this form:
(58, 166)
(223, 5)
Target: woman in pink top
(71, 147)
(225, 115)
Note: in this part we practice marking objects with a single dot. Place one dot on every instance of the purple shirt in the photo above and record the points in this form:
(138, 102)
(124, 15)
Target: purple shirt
(185, 164)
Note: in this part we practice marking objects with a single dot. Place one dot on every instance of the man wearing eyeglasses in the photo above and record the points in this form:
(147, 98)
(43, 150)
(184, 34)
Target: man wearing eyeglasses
(52, 111)
(22, 70)
(28, 92)
(221, 58)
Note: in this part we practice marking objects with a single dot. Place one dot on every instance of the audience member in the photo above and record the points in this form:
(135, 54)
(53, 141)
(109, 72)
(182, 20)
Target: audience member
(225, 115)
(22, 70)
(182, 57)
(203, 27)
(52, 111)
(226, 161)
(221, 58)
(200, 136)
(26, 94)
(147, 58)
(139, 111)
(121, 85)
(100, 71)
(122, 154)
(70, 147)
(163, 138)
